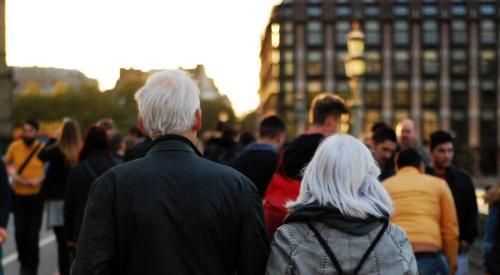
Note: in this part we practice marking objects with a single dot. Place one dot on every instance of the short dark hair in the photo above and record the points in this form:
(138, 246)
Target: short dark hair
(33, 123)
(379, 125)
(409, 157)
(324, 105)
(271, 126)
(440, 137)
(247, 138)
(384, 133)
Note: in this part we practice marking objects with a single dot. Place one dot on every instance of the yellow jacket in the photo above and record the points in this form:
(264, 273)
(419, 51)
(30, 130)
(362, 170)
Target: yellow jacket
(424, 208)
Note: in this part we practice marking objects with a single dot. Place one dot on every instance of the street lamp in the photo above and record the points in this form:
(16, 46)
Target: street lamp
(355, 68)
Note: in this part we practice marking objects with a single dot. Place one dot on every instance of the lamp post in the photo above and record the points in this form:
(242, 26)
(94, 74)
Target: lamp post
(355, 68)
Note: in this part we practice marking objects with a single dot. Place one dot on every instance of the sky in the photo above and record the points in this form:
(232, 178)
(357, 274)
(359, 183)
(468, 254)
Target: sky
(98, 37)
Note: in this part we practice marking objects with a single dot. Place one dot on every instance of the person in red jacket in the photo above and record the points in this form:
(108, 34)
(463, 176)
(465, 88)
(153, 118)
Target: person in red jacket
(324, 116)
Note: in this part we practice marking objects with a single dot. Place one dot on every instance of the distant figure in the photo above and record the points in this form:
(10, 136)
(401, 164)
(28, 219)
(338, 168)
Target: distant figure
(61, 154)
(408, 139)
(463, 191)
(424, 208)
(172, 211)
(325, 113)
(94, 160)
(5, 194)
(383, 146)
(246, 139)
(108, 125)
(340, 222)
(225, 149)
(28, 174)
(260, 161)
(117, 147)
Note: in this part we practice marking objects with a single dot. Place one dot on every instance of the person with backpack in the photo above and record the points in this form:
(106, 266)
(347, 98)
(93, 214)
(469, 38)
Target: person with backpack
(424, 208)
(61, 154)
(28, 173)
(340, 222)
(95, 159)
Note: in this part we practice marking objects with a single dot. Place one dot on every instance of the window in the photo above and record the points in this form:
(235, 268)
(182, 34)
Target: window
(401, 62)
(372, 30)
(430, 33)
(288, 86)
(459, 62)
(343, 89)
(373, 62)
(430, 121)
(430, 10)
(459, 97)
(314, 33)
(459, 32)
(372, 11)
(488, 32)
(341, 29)
(430, 62)
(343, 11)
(287, 59)
(314, 11)
(458, 10)
(401, 92)
(430, 95)
(314, 63)
(400, 10)
(487, 62)
(401, 33)
(487, 85)
(373, 93)
(487, 10)
(286, 11)
(340, 62)
(314, 86)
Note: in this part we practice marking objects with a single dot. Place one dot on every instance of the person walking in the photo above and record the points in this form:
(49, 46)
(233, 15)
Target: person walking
(340, 222)
(60, 155)
(5, 194)
(94, 159)
(28, 174)
(172, 211)
(424, 208)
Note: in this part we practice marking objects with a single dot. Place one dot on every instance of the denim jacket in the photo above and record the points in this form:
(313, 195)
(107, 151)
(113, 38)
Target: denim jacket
(295, 250)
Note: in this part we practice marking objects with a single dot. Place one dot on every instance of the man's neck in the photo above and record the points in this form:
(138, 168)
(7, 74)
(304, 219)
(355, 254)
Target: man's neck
(318, 129)
(191, 135)
(262, 140)
(439, 170)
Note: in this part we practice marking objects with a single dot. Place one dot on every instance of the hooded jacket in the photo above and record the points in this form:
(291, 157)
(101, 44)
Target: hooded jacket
(295, 249)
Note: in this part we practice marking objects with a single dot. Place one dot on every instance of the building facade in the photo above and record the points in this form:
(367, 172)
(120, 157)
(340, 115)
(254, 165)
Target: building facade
(435, 61)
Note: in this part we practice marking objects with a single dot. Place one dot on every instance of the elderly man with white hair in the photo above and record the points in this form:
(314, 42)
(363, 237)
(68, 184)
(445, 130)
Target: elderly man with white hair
(172, 212)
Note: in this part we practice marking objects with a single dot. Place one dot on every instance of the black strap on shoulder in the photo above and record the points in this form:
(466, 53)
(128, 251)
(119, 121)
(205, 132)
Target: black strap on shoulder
(27, 160)
(90, 171)
(334, 260)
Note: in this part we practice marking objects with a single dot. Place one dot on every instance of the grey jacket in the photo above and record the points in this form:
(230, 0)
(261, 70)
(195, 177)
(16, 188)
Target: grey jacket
(295, 250)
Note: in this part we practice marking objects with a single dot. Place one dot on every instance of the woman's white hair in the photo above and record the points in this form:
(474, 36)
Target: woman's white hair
(168, 102)
(344, 174)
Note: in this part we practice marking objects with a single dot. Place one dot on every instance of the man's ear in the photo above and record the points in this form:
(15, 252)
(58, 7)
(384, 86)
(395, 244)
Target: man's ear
(197, 121)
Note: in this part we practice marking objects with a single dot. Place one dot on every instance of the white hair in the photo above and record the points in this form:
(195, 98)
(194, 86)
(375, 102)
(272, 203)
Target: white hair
(344, 174)
(168, 102)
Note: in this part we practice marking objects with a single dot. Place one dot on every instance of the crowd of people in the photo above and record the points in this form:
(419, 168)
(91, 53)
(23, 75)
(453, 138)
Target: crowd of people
(162, 200)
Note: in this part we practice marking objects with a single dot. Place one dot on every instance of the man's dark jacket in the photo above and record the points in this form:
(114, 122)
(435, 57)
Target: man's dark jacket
(5, 196)
(464, 195)
(172, 212)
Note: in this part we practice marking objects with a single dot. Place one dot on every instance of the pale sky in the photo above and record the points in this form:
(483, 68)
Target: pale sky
(98, 37)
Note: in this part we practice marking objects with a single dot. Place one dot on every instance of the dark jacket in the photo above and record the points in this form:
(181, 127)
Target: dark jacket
(56, 176)
(299, 153)
(172, 212)
(464, 195)
(77, 190)
(223, 150)
(5, 196)
(493, 258)
(258, 163)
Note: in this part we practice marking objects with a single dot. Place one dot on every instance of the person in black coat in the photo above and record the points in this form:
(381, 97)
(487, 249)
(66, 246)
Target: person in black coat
(173, 211)
(60, 155)
(5, 193)
(95, 159)
(260, 161)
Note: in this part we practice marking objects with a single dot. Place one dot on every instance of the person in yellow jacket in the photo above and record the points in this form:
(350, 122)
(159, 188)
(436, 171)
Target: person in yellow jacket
(424, 208)
(27, 175)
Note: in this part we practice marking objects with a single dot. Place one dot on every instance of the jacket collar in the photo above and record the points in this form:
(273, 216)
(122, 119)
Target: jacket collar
(408, 170)
(171, 142)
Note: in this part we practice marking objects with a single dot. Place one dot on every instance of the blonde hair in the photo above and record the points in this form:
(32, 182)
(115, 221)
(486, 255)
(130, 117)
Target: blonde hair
(344, 174)
(70, 142)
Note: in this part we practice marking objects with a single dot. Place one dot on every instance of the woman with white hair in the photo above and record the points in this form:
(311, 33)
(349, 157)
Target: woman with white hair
(340, 221)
